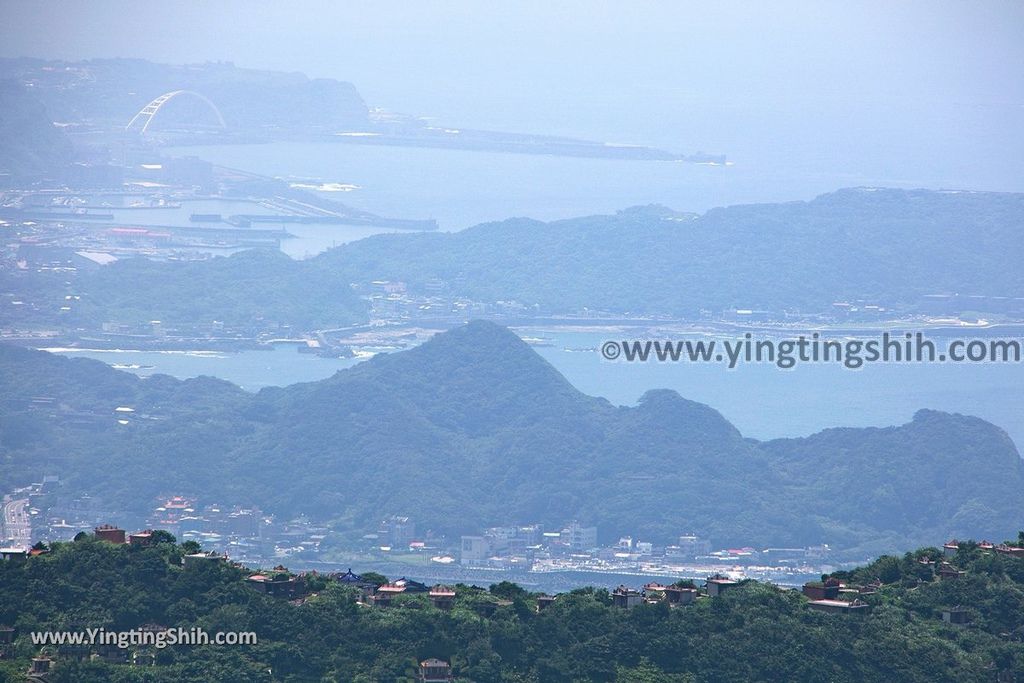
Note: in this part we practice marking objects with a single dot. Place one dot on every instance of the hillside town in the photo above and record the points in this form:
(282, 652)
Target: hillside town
(830, 595)
(42, 513)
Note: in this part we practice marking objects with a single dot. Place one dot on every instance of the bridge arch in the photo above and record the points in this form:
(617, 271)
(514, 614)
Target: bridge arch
(148, 113)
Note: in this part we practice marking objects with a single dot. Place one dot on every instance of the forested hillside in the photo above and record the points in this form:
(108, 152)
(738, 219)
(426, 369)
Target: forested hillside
(884, 247)
(473, 429)
(754, 632)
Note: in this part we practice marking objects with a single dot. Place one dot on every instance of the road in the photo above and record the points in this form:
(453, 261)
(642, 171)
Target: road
(16, 524)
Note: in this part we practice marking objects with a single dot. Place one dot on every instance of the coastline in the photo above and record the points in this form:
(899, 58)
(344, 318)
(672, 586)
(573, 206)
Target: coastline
(532, 330)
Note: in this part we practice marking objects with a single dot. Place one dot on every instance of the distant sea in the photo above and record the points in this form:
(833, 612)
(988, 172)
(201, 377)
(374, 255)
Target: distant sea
(460, 189)
(763, 401)
(548, 582)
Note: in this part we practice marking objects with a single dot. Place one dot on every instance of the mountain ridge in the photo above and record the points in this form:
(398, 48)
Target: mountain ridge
(873, 244)
(474, 429)
(859, 246)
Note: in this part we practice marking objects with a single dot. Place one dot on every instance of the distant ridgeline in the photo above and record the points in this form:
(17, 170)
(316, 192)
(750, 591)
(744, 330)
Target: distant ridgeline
(110, 91)
(248, 105)
(474, 429)
(892, 248)
(30, 145)
(920, 618)
(874, 246)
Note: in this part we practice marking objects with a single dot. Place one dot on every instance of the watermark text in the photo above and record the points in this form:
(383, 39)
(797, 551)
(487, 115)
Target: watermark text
(139, 637)
(787, 353)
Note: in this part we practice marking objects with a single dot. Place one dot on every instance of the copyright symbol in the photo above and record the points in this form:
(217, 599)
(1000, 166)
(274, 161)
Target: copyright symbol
(610, 350)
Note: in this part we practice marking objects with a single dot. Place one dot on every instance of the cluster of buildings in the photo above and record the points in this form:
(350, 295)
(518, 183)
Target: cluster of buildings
(830, 595)
(395, 532)
(440, 596)
(520, 545)
(47, 250)
(951, 547)
(245, 533)
(116, 219)
(675, 595)
(833, 596)
(434, 302)
(282, 584)
(437, 300)
(837, 597)
(39, 513)
(576, 546)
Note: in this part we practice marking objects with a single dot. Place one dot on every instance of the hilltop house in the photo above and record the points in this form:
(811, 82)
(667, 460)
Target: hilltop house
(822, 590)
(383, 595)
(355, 581)
(435, 671)
(544, 601)
(718, 584)
(109, 533)
(442, 597)
(626, 597)
(677, 595)
(279, 583)
(141, 538)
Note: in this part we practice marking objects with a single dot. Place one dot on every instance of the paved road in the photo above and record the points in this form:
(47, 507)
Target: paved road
(17, 525)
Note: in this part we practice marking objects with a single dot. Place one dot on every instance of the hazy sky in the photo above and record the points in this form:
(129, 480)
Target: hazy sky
(924, 80)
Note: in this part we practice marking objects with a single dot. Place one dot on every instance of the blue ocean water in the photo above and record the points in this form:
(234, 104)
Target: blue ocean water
(460, 189)
(763, 401)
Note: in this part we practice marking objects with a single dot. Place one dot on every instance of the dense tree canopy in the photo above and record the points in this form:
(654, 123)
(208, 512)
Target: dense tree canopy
(476, 412)
(879, 246)
(756, 632)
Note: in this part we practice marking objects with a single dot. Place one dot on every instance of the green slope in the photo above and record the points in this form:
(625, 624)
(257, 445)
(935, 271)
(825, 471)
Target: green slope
(473, 429)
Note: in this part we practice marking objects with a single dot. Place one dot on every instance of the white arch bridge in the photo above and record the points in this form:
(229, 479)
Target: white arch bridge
(144, 118)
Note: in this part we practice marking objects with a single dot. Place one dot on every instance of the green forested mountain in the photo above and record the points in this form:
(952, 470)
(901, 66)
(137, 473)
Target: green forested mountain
(888, 247)
(111, 91)
(30, 145)
(251, 289)
(753, 632)
(473, 428)
(245, 289)
(881, 245)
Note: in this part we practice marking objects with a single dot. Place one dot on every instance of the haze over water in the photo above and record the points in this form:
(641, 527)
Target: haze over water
(803, 101)
(762, 401)
(461, 189)
(911, 93)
